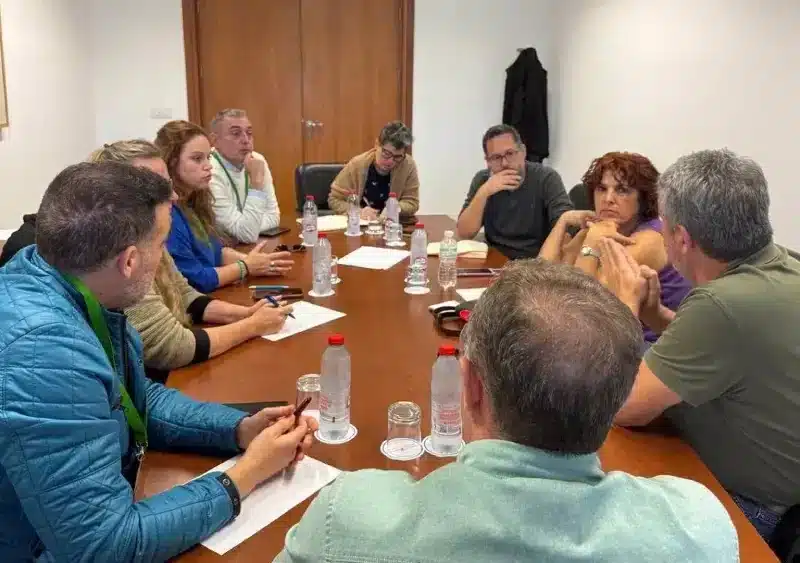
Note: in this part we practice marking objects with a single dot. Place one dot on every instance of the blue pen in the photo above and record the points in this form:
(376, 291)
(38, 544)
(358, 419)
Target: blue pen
(275, 303)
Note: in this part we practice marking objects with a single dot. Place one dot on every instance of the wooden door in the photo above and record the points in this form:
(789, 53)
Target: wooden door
(353, 56)
(249, 58)
(292, 64)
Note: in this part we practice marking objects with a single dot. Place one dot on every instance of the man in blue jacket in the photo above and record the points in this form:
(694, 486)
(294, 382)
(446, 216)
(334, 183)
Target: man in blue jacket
(76, 411)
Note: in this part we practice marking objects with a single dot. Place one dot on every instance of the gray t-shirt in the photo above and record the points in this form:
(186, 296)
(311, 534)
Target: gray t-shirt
(517, 222)
(733, 356)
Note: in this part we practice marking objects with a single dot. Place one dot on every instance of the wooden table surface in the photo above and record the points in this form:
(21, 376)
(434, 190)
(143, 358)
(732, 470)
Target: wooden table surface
(393, 342)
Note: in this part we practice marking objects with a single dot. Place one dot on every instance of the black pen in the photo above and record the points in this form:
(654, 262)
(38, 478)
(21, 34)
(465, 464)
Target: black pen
(275, 303)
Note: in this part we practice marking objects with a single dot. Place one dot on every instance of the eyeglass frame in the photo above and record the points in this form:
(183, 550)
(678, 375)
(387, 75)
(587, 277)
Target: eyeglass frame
(497, 159)
(295, 248)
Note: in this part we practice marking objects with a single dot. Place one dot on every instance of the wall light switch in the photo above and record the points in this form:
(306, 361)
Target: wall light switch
(160, 113)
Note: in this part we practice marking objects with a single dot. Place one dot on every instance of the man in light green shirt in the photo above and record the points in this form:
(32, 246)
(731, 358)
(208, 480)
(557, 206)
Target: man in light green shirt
(726, 368)
(549, 357)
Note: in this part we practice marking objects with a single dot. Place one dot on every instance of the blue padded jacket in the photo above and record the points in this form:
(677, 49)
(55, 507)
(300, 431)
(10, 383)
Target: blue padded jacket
(64, 438)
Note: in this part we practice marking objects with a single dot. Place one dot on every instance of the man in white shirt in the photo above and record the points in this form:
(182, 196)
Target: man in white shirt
(244, 196)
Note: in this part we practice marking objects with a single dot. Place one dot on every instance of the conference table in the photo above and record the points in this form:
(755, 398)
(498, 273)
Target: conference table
(393, 341)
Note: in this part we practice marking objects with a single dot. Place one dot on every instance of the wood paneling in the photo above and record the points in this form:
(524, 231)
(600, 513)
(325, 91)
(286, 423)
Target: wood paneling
(352, 72)
(249, 57)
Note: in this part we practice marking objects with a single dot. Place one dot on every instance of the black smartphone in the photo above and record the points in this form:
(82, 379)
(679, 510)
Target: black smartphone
(253, 408)
(279, 294)
(476, 272)
(275, 232)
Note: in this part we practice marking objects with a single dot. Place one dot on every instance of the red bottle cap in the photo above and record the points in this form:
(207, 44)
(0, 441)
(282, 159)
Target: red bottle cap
(309, 198)
(419, 226)
(392, 194)
(447, 350)
(336, 340)
(322, 235)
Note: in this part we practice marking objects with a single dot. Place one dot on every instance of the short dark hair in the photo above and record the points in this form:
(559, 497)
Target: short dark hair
(397, 134)
(557, 353)
(502, 129)
(92, 211)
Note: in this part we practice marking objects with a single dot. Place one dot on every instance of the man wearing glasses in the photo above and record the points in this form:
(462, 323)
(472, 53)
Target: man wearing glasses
(516, 202)
(386, 168)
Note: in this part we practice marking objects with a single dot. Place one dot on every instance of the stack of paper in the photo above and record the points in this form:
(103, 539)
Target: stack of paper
(307, 315)
(470, 294)
(270, 501)
(466, 248)
(326, 223)
(374, 258)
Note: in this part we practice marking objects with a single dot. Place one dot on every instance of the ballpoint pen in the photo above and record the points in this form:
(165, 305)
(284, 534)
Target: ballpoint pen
(275, 303)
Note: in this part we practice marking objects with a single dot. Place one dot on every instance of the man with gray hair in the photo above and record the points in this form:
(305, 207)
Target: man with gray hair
(245, 204)
(77, 412)
(726, 368)
(386, 168)
(549, 357)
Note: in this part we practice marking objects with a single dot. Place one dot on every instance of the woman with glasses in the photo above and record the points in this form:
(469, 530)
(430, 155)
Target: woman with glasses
(622, 190)
(386, 168)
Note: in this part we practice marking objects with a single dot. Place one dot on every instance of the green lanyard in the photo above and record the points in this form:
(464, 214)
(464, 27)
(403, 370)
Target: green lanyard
(233, 184)
(100, 328)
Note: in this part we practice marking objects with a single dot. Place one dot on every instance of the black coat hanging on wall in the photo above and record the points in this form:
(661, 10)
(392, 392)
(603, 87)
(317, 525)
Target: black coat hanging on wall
(525, 103)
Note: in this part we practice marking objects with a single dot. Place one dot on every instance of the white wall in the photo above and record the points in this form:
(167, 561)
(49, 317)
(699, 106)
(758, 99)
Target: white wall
(461, 51)
(666, 78)
(49, 99)
(138, 67)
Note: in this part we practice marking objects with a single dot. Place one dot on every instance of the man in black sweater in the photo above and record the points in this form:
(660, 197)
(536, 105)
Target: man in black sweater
(515, 201)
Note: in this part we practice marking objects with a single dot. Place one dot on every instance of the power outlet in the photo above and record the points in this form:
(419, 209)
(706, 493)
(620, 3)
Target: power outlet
(161, 113)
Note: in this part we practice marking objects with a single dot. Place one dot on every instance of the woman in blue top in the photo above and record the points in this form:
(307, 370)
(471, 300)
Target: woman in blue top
(193, 242)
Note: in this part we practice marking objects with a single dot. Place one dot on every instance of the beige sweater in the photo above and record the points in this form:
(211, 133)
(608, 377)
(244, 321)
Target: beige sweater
(168, 344)
(403, 181)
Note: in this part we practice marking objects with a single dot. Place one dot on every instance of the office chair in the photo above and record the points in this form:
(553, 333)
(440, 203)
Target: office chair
(315, 179)
(579, 197)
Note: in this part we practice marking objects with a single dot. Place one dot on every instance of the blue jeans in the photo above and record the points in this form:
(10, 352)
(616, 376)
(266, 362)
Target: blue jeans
(762, 518)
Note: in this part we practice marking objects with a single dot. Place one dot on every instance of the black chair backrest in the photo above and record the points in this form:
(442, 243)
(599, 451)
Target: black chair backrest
(785, 540)
(315, 179)
(579, 197)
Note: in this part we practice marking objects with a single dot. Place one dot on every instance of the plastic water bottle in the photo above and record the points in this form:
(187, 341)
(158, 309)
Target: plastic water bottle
(322, 266)
(353, 216)
(417, 280)
(448, 254)
(334, 398)
(419, 245)
(446, 402)
(310, 222)
(392, 215)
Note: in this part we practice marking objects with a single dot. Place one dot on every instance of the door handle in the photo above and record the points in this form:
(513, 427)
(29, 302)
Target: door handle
(311, 124)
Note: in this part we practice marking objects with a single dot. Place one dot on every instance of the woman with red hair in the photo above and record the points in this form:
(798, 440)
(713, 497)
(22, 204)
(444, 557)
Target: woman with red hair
(622, 190)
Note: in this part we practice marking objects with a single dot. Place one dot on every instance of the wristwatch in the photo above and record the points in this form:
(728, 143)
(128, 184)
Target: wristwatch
(589, 251)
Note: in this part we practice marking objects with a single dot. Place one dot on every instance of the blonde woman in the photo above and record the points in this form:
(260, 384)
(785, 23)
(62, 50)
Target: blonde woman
(165, 317)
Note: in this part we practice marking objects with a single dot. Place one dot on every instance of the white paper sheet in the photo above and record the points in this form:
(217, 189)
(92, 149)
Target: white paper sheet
(270, 501)
(327, 223)
(471, 294)
(374, 258)
(464, 247)
(307, 315)
(5, 233)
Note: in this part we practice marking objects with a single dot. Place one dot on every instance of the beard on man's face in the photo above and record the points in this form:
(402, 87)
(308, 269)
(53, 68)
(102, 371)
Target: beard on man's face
(136, 289)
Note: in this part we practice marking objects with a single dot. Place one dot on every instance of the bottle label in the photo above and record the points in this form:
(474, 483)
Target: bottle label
(448, 415)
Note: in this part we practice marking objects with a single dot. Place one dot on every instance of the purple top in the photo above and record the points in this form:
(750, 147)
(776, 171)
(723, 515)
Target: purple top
(673, 286)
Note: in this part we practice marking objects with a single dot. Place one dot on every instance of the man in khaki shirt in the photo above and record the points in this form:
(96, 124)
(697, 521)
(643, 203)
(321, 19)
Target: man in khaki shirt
(726, 368)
